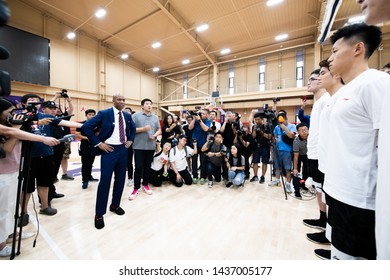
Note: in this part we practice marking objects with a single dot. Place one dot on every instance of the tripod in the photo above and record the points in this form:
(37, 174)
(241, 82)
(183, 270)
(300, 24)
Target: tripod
(24, 173)
(276, 155)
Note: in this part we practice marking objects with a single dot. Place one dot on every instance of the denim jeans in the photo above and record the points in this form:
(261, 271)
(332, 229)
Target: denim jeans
(236, 177)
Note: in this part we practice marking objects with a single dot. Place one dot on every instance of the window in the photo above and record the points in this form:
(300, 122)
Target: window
(262, 74)
(299, 73)
(231, 79)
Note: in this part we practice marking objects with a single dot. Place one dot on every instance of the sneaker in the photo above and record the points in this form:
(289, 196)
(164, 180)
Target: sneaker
(288, 187)
(254, 179)
(322, 254)
(85, 185)
(318, 237)
(297, 195)
(195, 180)
(6, 251)
(274, 183)
(133, 194)
(147, 189)
(66, 177)
(262, 180)
(210, 184)
(228, 185)
(93, 180)
(48, 211)
(202, 181)
(314, 223)
(130, 182)
(25, 235)
(24, 220)
(99, 222)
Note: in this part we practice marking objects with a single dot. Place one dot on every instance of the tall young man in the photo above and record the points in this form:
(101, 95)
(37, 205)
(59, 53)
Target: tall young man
(351, 170)
(320, 97)
(117, 131)
(148, 128)
(377, 11)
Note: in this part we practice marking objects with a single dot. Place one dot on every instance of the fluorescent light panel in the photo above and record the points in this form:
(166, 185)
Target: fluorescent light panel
(156, 69)
(281, 37)
(185, 61)
(125, 56)
(202, 27)
(273, 2)
(225, 51)
(156, 45)
(100, 13)
(71, 35)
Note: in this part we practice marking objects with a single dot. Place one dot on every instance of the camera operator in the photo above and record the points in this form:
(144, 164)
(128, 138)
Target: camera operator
(244, 140)
(9, 169)
(214, 150)
(228, 137)
(200, 126)
(62, 131)
(42, 162)
(261, 135)
(284, 134)
(215, 125)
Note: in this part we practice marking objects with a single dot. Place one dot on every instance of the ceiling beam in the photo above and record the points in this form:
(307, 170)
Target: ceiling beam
(167, 9)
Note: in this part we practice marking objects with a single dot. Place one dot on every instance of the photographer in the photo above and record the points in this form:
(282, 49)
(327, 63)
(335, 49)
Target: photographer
(42, 162)
(9, 169)
(200, 126)
(178, 174)
(228, 137)
(62, 131)
(215, 125)
(245, 140)
(261, 135)
(214, 150)
(168, 130)
(284, 134)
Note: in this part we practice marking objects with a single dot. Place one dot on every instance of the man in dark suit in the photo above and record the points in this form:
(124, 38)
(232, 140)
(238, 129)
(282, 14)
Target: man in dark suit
(117, 132)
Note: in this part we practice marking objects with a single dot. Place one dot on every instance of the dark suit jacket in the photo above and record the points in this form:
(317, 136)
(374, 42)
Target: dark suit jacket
(106, 121)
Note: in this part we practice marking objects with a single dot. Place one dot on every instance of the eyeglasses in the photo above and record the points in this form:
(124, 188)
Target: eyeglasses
(312, 79)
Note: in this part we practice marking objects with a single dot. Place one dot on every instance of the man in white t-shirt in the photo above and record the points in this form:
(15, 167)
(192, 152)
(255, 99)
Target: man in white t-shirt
(178, 174)
(377, 11)
(351, 169)
(332, 84)
(320, 97)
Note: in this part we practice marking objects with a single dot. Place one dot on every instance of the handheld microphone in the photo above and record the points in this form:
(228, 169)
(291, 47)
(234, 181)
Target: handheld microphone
(67, 138)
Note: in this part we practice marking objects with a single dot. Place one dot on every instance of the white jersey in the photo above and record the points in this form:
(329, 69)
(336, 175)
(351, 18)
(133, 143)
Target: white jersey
(312, 140)
(325, 134)
(178, 157)
(159, 161)
(382, 208)
(351, 170)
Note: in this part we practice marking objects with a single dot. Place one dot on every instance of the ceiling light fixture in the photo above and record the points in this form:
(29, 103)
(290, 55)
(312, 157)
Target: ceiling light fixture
(273, 2)
(156, 45)
(225, 51)
(281, 37)
(71, 35)
(357, 19)
(202, 27)
(125, 56)
(156, 69)
(185, 61)
(100, 13)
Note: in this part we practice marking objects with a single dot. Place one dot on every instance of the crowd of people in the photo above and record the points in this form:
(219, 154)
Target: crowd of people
(342, 146)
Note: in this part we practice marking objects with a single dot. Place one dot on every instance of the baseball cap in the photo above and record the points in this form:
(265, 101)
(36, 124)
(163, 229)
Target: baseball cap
(49, 104)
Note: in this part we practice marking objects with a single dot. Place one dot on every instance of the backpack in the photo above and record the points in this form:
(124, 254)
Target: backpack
(185, 149)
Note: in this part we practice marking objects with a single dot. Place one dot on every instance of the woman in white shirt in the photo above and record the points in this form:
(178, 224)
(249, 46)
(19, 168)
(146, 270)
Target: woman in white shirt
(159, 166)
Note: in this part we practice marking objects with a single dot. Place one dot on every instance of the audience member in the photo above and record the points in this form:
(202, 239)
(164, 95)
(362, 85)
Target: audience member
(160, 164)
(235, 163)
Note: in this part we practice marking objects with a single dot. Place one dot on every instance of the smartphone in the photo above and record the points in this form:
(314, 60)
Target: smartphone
(304, 98)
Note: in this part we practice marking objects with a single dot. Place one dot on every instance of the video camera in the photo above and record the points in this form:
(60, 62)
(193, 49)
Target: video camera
(193, 113)
(269, 113)
(29, 113)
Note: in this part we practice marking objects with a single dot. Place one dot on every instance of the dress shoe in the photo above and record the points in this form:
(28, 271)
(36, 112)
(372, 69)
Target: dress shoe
(99, 222)
(58, 195)
(117, 210)
(93, 180)
(85, 185)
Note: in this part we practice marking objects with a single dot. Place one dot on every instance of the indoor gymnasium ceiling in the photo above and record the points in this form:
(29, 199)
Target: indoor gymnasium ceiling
(246, 27)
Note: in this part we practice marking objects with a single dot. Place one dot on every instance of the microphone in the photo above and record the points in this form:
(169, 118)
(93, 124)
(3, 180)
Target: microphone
(67, 138)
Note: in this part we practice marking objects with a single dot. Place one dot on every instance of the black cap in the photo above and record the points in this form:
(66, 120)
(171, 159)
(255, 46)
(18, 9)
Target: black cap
(49, 104)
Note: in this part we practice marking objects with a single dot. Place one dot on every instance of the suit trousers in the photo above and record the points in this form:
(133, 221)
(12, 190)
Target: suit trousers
(113, 162)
